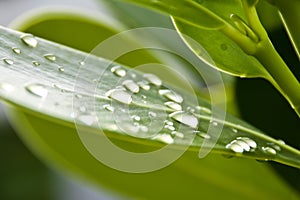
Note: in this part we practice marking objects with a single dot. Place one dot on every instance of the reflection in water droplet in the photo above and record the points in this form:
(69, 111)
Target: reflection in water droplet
(16, 50)
(171, 95)
(131, 86)
(6, 87)
(185, 118)
(29, 40)
(8, 61)
(269, 150)
(117, 70)
(61, 69)
(119, 95)
(144, 85)
(173, 105)
(153, 79)
(35, 63)
(50, 57)
(37, 90)
(165, 138)
(108, 107)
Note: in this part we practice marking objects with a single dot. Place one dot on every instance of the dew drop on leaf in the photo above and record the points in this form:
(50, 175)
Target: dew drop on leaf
(165, 138)
(202, 135)
(61, 69)
(131, 86)
(185, 118)
(29, 40)
(117, 70)
(152, 114)
(177, 134)
(269, 150)
(37, 90)
(144, 85)
(153, 79)
(16, 50)
(108, 107)
(35, 63)
(136, 118)
(50, 57)
(8, 61)
(173, 105)
(249, 141)
(119, 95)
(171, 95)
(235, 147)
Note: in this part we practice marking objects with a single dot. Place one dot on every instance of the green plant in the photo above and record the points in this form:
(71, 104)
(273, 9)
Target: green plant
(49, 86)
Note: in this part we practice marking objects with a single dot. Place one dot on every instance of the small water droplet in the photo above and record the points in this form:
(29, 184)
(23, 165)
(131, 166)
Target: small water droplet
(234, 130)
(203, 135)
(117, 70)
(87, 119)
(29, 40)
(249, 141)
(214, 123)
(61, 69)
(81, 63)
(173, 105)
(16, 50)
(171, 95)
(108, 107)
(170, 127)
(165, 138)
(144, 85)
(235, 147)
(6, 87)
(269, 150)
(119, 95)
(136, 118)
(50, 57)
(169, 122)
(185, 118)
(190, 109)
(152, 114)
(35, 63)
(178, 134)
(8, 61)
(243, 144)
(131, 86)
(37, 90)
(153, 79)
(281, 142)
(203, 109)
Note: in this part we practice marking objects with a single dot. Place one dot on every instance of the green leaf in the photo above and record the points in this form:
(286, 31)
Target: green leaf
(44, 91)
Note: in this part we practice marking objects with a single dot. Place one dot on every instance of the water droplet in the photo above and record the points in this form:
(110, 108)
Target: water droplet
(73, 115)
(203, 109)
(153, 79)
(249, 141)
(235, 147)
(281, 142)
(131, 86)
(61, 69)
(190, 109)
(81, 63)
(16, 50)
(243, 144)
(50, 57)
(144, 85)
(37, 90)
(117, 70)
(108, 107)
(214, 123)
(29, 40)
(136, 118)
(8, 61)
(152, 114)
(88, 119)
(169, 122)
(173, 105)
(166, 138)
(82, 109)
(269, 150)
(234, 130)
(178, 134)
(185, 118)
(6, 87)
(35, 63)
(203, 135)
(133, 75)
(171, 95)
(170, 127)
(119, 95)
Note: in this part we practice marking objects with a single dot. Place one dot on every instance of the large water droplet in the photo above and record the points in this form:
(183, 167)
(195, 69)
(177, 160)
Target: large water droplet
(235, 147)
(119, 95)
(37, 90)
(165, 138)
(16, 50)
(117, 70)
(173, 105)
(185, 118)
(269, 150)
(29, 40)
(131, 86)
(243, 144)
(171, 95)
(153, 79)
(6, 87)
(50, 57)
(8, 61)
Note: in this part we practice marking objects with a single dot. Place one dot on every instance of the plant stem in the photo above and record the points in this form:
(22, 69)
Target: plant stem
(289, 85)
(290, 15)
